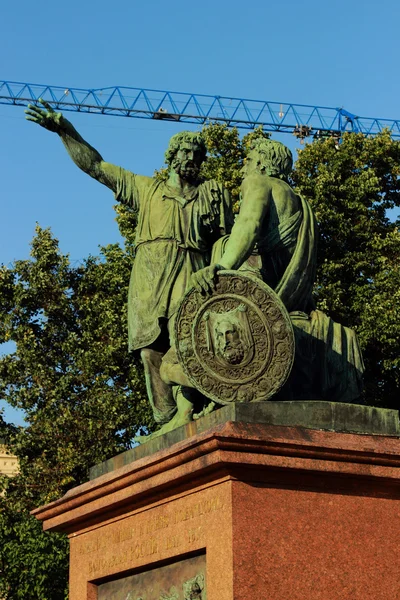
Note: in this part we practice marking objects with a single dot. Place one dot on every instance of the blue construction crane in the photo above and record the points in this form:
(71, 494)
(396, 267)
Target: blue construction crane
(301, 120)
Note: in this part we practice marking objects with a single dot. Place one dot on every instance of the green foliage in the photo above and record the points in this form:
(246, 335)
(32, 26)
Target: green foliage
(33, 564)
(350, 187)
(225, 156)
(82, 393)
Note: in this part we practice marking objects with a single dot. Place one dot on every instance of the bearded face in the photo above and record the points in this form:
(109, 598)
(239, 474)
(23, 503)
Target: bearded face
(251, 164)
(233, 355)
(229, 343)
(187, 161)
(186, 169)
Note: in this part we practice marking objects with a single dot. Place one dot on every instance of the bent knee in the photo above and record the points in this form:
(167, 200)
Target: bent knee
(145, 354)
(151, 357)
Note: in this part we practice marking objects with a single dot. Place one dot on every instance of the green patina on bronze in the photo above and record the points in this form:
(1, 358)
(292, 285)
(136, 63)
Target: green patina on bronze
(235, 344)
(275, 238)
(183, 225)
(178, 222)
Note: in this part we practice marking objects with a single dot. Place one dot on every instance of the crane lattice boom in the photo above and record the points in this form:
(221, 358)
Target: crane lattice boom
(299, 119)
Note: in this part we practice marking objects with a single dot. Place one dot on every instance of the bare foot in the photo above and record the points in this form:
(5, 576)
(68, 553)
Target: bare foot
(208, 409)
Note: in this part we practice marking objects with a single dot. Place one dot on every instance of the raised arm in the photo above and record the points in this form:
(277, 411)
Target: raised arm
(83, 154)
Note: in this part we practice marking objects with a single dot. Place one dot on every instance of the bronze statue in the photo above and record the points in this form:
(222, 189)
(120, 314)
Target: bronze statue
(275, 234)
(232, 341)
(235, 344)
(235, 335)
(275, 238)
(178, 221)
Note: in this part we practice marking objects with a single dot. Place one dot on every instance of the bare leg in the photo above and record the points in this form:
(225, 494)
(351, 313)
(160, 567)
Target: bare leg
(183, 415)
(211, 406)
(159, 393)
(171, 371)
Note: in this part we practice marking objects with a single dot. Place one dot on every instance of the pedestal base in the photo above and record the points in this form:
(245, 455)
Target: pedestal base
(240, 511)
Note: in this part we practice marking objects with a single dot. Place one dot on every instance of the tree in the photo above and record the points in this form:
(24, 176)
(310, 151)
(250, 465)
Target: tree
(350, 187)
(82, 393)
(33, 564)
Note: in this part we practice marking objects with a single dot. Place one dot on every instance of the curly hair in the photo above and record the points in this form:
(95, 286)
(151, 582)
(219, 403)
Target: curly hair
(274, 158)
(190, 137)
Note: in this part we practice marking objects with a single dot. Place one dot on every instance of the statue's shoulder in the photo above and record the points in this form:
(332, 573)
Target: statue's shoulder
(282, 189)
(146, 186)
(145, 180)
(256, 179)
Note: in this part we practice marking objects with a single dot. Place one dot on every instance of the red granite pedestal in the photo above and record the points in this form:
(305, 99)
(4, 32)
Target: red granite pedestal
(265, 512)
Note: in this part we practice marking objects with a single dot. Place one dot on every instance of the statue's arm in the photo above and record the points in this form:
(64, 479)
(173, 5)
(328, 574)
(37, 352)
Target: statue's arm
(256, 197)
(87, 158)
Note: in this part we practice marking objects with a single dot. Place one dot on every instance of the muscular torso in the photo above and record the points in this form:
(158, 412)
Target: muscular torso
(267, 203)
(274, 205)
(269, 199)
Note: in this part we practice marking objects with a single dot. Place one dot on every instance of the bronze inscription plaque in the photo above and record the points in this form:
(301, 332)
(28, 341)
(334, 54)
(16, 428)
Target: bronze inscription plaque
(182, 580)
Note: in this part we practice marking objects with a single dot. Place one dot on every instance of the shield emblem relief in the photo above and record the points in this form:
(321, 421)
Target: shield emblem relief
(236, 344)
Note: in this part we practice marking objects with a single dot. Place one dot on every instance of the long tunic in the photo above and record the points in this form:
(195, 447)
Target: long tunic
(174, 238)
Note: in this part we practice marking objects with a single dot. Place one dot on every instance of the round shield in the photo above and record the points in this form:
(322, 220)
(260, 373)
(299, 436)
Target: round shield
(236, 344)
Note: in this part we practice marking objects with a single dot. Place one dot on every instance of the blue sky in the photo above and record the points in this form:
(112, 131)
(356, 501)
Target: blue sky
(307, 52)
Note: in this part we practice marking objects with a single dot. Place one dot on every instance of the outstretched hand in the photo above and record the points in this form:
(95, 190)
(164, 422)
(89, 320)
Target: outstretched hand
(204, 280)
(47, 118)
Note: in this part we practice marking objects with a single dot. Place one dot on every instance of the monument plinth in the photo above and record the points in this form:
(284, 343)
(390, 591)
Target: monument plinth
(242, 509)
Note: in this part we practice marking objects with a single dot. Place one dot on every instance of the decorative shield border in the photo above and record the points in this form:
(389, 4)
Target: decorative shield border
(270, 354)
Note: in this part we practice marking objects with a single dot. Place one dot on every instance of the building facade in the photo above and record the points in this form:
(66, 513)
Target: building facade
(8, 462)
